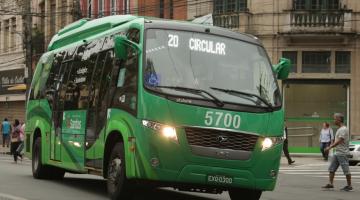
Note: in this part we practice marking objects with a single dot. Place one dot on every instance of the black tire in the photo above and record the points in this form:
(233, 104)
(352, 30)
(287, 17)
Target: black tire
(353, 163)
(248, 194)
(117, 184)
(41, 171)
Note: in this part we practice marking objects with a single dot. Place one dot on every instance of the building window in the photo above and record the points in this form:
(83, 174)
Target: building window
(52, 19)
(292, 56)
(1, 48)
(90, 9)
(229, 6)
(42, 19)
(161, 9)
(171, 7)
(113, 7)
(333, 4)
(101, 8)
(242, 5)
(316, 62)
(218, 6)
(63, 9)
(342, 62)
(316, 4)
(299, 4)
(13, 34)
(6, 35)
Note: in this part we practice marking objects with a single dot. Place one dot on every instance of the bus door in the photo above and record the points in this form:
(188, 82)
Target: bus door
(53, 87)
(77, 91)
(55, 135)
(97, 111)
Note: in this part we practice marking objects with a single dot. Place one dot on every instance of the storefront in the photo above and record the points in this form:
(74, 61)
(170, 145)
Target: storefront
(310, 103)
(12, 94)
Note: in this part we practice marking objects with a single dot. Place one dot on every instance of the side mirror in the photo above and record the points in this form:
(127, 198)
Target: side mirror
(282, 69)
(122, 45)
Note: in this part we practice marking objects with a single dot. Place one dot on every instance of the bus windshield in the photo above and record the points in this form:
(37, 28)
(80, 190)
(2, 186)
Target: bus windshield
(232, 71)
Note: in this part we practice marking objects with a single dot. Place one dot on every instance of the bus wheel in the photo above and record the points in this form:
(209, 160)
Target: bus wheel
(240, 193)
(116, 180)
(41, 171)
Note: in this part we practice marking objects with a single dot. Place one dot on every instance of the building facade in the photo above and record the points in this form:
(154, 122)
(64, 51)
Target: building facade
(12, 57)
(168, 9)
(320, 37)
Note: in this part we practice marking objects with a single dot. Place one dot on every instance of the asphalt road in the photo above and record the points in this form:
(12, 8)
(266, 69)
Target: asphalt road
(298, 182)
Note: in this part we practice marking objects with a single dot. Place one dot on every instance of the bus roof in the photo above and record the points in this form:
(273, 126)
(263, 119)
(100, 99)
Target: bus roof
(85, 28)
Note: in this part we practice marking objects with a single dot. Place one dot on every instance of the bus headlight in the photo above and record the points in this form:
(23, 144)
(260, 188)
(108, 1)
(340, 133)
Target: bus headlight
(165, 130)
(269, 142)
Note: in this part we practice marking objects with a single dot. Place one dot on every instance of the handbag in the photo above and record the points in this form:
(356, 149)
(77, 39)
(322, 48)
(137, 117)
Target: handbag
(15, 136)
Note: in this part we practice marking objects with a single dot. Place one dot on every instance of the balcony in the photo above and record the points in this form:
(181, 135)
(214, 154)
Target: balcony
(329, 21)
(234, 21)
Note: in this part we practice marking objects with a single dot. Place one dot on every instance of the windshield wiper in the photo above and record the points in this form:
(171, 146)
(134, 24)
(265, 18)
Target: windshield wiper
(217, 101)
(237, 93)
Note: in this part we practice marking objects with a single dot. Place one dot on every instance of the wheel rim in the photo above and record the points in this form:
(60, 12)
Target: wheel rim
(36, 159)
(114, 173)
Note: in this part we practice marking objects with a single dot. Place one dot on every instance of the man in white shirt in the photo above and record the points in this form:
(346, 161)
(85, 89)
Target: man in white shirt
(340, 158)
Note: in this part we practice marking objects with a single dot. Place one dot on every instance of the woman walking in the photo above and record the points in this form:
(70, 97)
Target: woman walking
(17, 137)
(326, 139)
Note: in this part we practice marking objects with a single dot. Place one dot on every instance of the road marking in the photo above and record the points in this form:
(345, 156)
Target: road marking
(10, 197)
(313, 173)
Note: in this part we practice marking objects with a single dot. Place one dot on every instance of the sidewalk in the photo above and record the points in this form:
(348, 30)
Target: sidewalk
(4, 150)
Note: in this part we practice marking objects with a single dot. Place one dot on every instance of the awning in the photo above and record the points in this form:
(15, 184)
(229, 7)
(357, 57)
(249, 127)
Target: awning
(17, 87)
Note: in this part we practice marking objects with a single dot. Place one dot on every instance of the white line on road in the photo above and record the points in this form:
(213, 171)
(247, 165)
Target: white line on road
(307, 173)
(304, 170)
(337, 176)
(10, 197)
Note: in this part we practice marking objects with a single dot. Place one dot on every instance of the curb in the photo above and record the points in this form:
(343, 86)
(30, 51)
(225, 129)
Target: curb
(309, 155)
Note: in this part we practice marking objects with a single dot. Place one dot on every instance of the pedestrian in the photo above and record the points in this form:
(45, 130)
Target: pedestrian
(16, 140)
(340, 157)
(326, 138)
(22, 138)
(6, 130)
(286, 147)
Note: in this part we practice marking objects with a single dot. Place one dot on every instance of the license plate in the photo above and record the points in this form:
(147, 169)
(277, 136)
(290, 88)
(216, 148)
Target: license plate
(219, 179)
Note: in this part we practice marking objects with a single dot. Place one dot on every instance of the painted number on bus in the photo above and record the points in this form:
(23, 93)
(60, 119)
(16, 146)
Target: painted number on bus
(219, 118)
(173, 41)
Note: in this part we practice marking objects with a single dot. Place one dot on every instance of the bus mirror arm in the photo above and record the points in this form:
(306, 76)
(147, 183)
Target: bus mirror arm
(122, 45)
(282, 69)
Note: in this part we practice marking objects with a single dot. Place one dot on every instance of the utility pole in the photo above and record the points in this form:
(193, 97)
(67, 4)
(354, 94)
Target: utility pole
(27, 41)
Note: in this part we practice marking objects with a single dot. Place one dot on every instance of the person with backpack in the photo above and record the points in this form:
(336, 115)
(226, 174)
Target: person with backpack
(6, 130)
(326, 139)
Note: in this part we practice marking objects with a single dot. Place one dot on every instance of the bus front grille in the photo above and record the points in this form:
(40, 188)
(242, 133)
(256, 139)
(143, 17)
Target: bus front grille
(220, 139)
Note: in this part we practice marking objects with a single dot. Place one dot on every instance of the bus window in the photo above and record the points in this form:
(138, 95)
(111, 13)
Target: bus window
(77, 91)
(126, 94)
(134, 35)
(99, 87)
(108, 42)
(104, 88)
(54, 78)
(65, 98)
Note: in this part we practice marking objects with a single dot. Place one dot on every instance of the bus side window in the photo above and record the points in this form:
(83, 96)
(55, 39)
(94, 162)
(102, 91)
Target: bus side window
(126, 94)
(80, 76)
(134, 35)
(53, 79)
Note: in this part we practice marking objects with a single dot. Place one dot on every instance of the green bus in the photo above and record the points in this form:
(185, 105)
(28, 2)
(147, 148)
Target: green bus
(167, 103)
